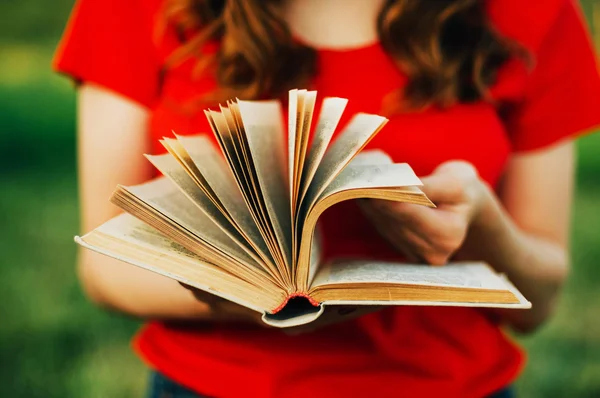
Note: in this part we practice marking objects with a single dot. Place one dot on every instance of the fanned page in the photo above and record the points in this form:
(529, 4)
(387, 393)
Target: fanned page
(163, 197)
(251, 137)
(168, 166)
(301, 104)
(227, 132)
(370, 175)
(263, 125)
(162, 205)
(213, 170)
(132, 241)
(329, 117)
(302, 173)
(361, 129)
(302, 133)
(324, 164)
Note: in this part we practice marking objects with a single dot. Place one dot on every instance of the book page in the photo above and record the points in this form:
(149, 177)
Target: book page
(302, 142)
(371, 156)
(316, 253)
(352, 139)
(210, 169)
(168, 166)
(370, 176)
(226, 126)
(295, 172)
(253, 194)
(175, 148)
(226, 130)
(331, 113)
(263, 124)
(218, 176)
(223, 130)
(166, 198)
(129, 229)
(128, 239)
(292, 128)
(388, 181)
(464, 275)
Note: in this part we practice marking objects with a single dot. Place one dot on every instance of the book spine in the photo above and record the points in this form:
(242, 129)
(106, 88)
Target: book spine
(294, 295)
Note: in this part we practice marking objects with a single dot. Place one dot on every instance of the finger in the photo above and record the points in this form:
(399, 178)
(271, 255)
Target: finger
(442, 188)
(374, 210)
(449, 182)
(367, 205)
(374, 203)
(400, 216)
(439, 233)
(225, 309)
(415, 235)
(388, 209)
(407, 251)
(424, 223)
(203, 296)
(393, 234)
(411, 230)
(398, 211)
(427, 252)
(422, 220)
(407, 246)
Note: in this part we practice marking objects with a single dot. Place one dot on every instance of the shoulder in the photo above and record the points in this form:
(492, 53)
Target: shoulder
(130, 14)
(555, 97)
(112, 43)
(528, 22)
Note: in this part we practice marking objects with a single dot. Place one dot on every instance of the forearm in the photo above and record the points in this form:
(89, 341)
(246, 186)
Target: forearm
(125, 288)
(536, 265)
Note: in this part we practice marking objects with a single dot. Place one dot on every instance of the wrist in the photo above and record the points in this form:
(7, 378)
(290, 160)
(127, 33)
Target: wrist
(487, 211)
(492, 236)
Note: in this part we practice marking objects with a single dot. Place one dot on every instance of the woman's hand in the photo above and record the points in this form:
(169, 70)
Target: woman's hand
(523, 235)
(432, 235)
(225, 310)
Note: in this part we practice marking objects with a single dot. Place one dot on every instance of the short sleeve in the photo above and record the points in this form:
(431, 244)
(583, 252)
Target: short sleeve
(561, 98)
(110, 43)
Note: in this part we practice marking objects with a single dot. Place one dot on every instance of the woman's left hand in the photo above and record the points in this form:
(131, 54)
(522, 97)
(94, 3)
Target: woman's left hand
(432, 235)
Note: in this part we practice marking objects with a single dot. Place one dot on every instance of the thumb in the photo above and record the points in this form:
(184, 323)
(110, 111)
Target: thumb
(448, 182)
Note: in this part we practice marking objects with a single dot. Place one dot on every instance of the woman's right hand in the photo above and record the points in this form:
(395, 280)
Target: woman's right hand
(225, 310)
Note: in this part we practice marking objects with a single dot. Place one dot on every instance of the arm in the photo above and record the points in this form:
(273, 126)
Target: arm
(525, 234)
(112, 136)
(522, 233)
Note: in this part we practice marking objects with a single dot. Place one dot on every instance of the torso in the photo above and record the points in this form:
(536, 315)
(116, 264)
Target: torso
(456, 350)
(403, 351)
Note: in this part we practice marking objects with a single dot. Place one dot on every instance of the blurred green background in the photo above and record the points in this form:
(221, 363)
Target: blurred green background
(55, 344)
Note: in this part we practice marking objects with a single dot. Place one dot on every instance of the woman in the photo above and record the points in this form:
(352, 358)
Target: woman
(484, 101)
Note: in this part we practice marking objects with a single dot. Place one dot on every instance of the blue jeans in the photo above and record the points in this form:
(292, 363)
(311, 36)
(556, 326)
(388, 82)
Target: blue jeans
(162, 387)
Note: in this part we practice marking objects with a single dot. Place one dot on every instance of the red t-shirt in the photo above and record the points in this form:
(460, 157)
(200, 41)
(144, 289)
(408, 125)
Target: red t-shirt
(423, 351)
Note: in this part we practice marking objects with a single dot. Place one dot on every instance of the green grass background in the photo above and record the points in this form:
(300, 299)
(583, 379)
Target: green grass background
(53, 343)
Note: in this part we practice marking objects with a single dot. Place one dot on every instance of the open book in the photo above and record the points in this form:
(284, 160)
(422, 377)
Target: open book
(240, 220)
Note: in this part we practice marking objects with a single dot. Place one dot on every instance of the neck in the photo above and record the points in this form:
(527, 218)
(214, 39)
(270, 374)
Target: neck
(336, 24)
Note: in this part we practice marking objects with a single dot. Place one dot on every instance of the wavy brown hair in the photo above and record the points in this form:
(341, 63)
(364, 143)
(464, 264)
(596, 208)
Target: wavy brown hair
(448, 49)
